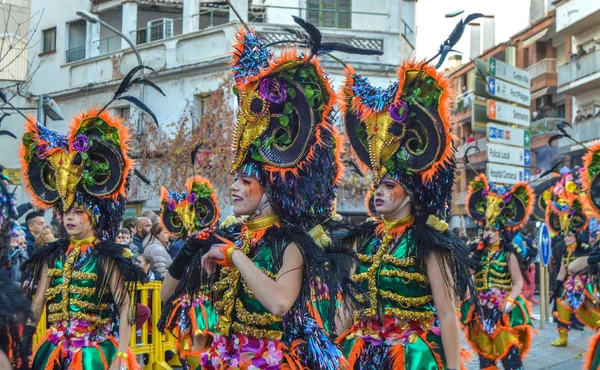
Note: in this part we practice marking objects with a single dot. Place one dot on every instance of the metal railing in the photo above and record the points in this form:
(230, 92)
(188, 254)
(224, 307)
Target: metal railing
(579, 68)
(74, 54)
(583, 132)
(107, 44)
(544, 126)
(340, 18)
(544, 66)
(463, 101)
(408, 33)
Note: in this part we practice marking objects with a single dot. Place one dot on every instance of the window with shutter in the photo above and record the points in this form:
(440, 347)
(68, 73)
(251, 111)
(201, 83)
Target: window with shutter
(330, 13)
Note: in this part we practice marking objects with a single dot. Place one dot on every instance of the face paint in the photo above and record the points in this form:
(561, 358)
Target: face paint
(246, 195)
(390, 198)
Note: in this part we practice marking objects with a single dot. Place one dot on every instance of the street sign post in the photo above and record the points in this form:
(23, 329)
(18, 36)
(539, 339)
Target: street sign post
(505, 91)
(545, 244)
(506, 154)
(508, 175)
(508, 73)
(508, 113)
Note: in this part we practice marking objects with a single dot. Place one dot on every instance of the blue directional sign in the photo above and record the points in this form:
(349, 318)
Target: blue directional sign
(492, 85)
(527, 157)
(545, 244)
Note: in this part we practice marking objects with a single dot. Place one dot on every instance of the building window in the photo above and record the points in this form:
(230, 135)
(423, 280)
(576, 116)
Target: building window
(124, 113)
(330, 13)
(49, 40)
(77, 32)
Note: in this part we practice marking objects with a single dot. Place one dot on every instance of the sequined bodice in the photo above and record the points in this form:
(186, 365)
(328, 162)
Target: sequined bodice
(493, 271)
(72, 287)
(394, 281)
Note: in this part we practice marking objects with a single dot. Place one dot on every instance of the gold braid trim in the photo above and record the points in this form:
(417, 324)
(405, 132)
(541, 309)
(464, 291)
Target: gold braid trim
(404, 315)
(262, 319)
(407, 276)
(406, 302)
(238, 328)
(56, 307)
(400, 262)
(84, 275)
(58, 317)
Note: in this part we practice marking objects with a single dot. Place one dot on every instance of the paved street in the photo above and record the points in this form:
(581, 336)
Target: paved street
(543, 356)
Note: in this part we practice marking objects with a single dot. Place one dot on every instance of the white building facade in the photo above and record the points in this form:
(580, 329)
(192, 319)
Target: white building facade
(188, 43)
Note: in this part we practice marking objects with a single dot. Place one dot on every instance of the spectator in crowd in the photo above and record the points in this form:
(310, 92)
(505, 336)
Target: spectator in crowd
(129, 223)
(155, 246)
(44, 237)
(147, 264)
(142, 229)
(152, 216)
(589, 116)
(470, 138)
(579, 117)
(580, 51)
(17, 255)
(35, 223)
(123, 237)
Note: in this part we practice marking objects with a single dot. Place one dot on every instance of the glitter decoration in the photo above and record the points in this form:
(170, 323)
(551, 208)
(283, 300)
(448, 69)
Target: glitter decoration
(251, 58)
(376, 98)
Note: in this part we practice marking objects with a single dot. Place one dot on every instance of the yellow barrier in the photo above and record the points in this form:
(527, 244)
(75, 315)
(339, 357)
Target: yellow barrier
(155, 345)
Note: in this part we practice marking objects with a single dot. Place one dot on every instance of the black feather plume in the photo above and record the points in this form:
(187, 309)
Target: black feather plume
(194, 152)
(3, 117)
(313, 33)
(553, 169)
(554, 138)
(3, 96)
(466, 157)
(142, 177)
(328, 47)
(7, 133)
(138, 103)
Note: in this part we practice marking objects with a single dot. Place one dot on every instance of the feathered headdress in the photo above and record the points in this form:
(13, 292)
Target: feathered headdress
(501, 207)
(190, 211)
(565, 209)
(89, 167)
(590, 178)
(284, 135)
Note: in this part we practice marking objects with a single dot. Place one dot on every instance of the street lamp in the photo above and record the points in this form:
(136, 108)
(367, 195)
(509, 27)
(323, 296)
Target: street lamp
(92, 18)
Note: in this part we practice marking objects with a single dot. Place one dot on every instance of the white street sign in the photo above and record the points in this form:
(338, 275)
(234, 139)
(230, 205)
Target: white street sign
(508, 113)
(506, 91)
(506, 154)
(503, 134)
(508, 175)
(508, 73)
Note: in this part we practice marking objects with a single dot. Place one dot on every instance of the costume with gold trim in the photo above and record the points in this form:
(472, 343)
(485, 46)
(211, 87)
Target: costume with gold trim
(284, 138)
(493, 334)
(88, 168)
(402, 133)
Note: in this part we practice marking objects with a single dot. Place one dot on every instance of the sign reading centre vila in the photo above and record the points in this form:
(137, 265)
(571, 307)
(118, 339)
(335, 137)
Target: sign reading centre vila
(509, 92)
(503, 134)
(509, 175)
(508, 113)
(506, 154)
(508, 73)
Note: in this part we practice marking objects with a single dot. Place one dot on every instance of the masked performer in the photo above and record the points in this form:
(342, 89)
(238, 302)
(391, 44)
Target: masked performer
(275, 292)
(192, 215)
(411, 267)
(565, 216)
(83, 176)
(502, 330)
(590, 265)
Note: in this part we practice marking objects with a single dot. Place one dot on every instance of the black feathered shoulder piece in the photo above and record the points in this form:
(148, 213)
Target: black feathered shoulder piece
(44, 256)
(451, 253)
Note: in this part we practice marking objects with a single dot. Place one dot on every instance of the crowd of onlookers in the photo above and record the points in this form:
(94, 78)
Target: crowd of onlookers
(148, 240)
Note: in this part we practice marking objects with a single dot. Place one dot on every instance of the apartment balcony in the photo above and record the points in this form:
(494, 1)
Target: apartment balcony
(543, 74)
(585, 132)
(462, 109)
(166, 46)
(576, 16)
(580, 75)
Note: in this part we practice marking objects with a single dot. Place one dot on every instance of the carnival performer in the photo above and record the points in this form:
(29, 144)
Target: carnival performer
(193, 215)
(502, 329)
(84, 278)
(590, 265)
(412, 268)
(275, 292)
(566, 217)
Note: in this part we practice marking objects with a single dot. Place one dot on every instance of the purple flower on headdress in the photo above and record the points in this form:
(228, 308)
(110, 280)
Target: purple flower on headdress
(81, 143)
(192, 198)
(508, 198)
(41, 151)
(485, 192)
(273, 90)
(171, 205)
(398, 111)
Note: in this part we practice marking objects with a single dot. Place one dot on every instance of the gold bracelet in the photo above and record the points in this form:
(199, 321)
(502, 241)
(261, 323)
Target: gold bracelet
(122, 355)
(229, 255)
(508, 299)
